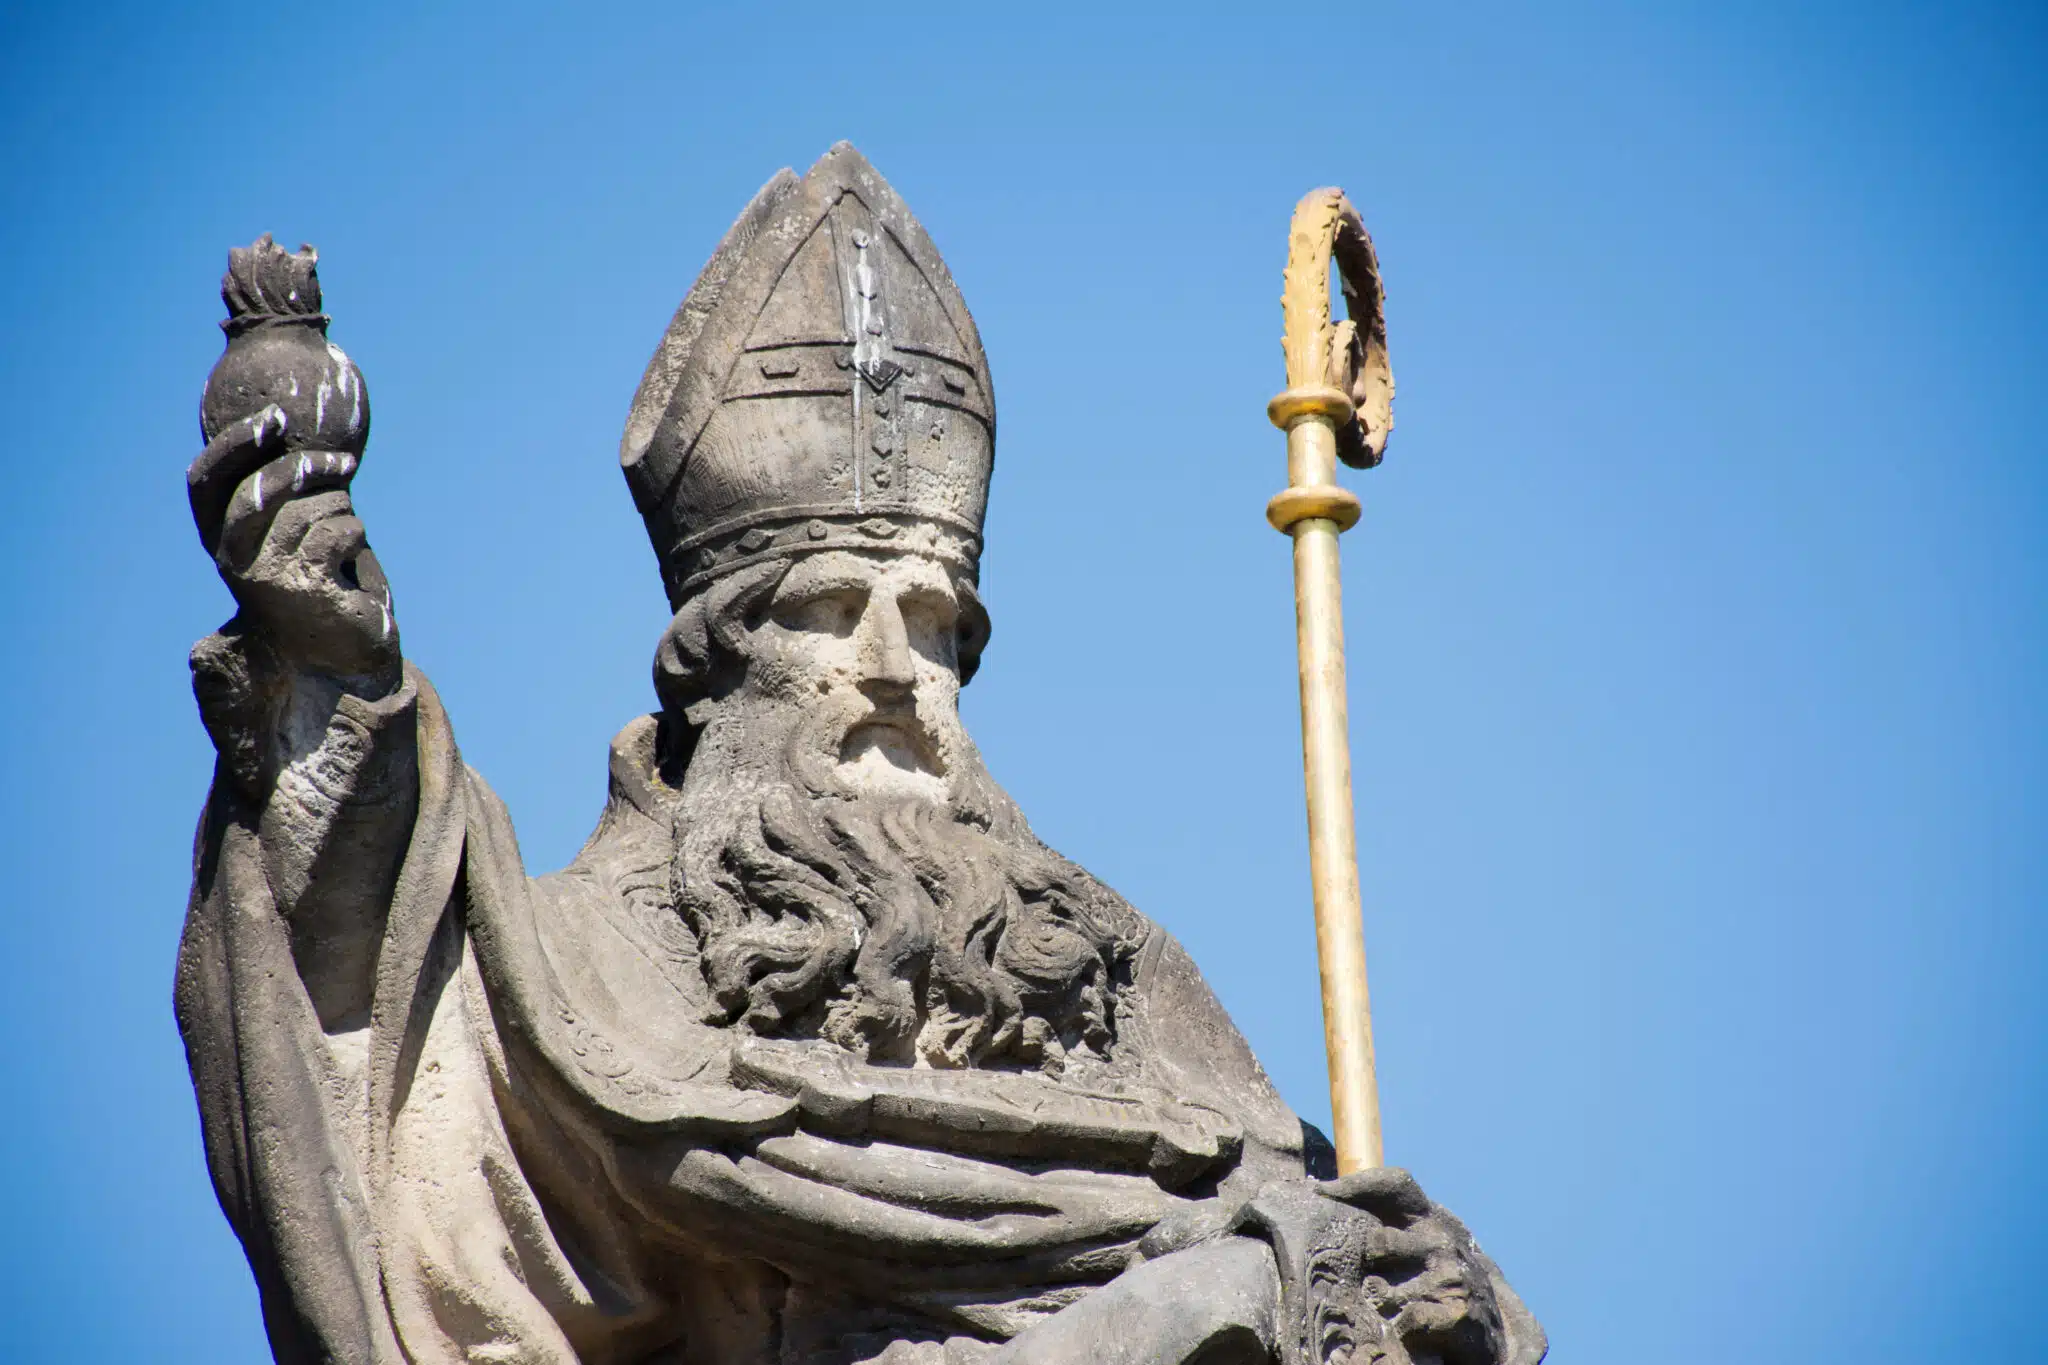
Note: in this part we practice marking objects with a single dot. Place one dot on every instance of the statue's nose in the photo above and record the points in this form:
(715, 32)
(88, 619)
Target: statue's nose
(888, 673)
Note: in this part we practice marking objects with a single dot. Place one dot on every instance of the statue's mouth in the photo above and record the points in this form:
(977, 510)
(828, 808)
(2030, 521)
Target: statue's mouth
(893, 741)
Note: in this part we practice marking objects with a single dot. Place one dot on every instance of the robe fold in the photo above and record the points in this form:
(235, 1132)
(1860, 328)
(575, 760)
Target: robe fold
(534, 1149)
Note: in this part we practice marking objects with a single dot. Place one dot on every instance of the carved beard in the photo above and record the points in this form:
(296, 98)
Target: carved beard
(908, 931)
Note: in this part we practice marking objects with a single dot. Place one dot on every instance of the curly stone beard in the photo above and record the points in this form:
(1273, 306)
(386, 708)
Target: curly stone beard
(907, 930)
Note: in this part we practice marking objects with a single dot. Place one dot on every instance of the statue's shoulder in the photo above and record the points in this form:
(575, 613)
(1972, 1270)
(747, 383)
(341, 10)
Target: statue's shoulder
(636, 781)
(606, 917)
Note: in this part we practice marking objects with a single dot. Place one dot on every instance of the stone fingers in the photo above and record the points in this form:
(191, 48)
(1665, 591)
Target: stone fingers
(246, 473)
(297, 479)
(1388, 1193)
(239, 448)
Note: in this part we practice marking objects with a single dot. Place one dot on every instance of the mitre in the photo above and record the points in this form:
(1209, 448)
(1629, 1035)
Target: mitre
(821, 387)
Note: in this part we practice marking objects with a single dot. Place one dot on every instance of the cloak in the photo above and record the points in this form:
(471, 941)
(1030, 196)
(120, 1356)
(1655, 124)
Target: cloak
(532, 1148)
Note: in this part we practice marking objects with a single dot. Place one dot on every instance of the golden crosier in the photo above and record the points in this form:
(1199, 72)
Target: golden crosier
(1350, 355)
(1338, 404)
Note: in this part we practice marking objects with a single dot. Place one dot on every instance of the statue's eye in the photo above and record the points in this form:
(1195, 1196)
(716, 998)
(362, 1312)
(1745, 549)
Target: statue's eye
(826, 613)
(932, 619)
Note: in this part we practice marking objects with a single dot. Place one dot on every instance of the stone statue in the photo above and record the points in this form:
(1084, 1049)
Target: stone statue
(814, 1053)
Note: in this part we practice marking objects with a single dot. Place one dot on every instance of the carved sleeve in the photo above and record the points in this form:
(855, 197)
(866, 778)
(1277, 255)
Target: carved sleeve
(332, 779)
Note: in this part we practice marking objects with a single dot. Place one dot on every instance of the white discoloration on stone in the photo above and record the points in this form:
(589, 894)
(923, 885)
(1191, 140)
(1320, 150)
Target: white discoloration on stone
(868, 345)
(261, 431)
(347, 384)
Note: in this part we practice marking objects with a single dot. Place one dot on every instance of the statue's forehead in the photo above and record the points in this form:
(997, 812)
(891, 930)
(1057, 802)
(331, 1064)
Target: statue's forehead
(831, 569)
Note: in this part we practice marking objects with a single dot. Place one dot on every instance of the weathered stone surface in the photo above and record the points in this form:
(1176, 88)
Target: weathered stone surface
(815, 1053)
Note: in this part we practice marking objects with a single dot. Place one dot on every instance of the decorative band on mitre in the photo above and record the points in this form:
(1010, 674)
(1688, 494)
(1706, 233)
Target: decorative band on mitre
(890, 528)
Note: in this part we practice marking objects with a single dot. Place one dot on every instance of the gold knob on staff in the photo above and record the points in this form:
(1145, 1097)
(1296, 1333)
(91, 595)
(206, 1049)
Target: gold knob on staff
(1338, 405)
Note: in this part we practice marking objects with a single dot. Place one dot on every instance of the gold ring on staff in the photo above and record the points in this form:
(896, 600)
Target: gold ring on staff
(1310, 400)
(1324, 500)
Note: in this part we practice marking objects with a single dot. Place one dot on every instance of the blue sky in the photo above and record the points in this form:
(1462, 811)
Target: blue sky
(1696, 617)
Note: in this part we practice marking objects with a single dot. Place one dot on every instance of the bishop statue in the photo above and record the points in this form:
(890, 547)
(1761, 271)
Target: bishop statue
(815, 1053)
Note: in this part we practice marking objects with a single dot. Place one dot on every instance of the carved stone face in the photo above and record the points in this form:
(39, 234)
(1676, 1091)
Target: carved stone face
(872, 639)
(848, 868)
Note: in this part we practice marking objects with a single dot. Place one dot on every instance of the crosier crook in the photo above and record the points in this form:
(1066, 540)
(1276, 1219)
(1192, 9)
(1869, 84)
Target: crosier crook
(1338, 404)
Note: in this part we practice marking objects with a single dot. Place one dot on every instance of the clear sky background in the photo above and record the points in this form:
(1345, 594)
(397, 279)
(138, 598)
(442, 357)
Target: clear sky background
(1698, 618)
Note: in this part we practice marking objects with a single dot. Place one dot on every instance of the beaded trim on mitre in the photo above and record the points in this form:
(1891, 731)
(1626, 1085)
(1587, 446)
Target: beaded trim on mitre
(888, 528)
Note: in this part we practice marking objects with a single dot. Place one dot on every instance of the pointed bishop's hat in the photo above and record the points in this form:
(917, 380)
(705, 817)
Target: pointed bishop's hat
(821, 387)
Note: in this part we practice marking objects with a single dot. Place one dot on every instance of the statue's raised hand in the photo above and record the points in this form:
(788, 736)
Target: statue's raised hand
(286, 418)
(284, 534)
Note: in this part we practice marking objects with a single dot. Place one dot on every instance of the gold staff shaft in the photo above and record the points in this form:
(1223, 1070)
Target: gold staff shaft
(1327, 366)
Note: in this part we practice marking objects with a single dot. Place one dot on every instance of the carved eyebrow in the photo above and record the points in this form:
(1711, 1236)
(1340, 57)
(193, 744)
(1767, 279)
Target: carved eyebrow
(932, 589)
(805, 581)
(925, 576)
(818, 575)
